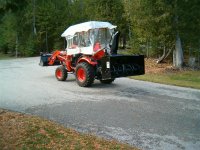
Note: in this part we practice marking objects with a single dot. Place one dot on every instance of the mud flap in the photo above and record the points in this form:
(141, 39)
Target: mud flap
(122, 66)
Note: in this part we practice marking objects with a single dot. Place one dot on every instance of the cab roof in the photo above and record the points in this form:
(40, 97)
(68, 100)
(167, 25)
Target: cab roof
(86, 26)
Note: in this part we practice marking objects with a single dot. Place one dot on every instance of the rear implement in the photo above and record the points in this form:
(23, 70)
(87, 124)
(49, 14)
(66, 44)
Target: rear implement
(122, 66)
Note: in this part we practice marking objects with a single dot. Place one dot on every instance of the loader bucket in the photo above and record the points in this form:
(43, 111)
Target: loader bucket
(44, 60)
(122, 66)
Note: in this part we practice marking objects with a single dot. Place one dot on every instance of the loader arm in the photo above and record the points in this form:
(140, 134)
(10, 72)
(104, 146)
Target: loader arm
(53, 57)
(63, 58)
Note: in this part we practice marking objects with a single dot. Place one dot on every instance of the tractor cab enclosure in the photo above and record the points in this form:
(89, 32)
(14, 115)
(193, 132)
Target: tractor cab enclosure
(91, 53)
(89, 37)
(89, 42)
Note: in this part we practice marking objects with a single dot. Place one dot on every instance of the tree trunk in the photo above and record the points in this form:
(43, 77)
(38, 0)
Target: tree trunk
(5, 50)
(178, 53)
(166, 53)
(46, 39)
(163, 56)
(124, 41)
(199, 57)
(16, 46)
(147, 49)
(34, 27)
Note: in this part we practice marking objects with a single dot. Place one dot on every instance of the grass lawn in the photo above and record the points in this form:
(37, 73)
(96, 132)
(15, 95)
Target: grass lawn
(20, 131)
(179, 78)
(5, 56)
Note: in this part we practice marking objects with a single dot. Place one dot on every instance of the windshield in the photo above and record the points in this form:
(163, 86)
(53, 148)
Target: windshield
(101, 36)
(90, 38)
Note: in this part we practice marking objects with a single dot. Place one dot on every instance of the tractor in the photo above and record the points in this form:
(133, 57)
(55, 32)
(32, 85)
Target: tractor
(91, 53)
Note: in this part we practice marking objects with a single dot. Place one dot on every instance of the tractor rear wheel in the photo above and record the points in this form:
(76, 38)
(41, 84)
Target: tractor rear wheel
(84, 74)
(108, 81)
(61, 73)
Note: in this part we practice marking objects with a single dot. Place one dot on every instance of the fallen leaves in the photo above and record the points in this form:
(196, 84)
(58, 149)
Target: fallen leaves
(30, 132)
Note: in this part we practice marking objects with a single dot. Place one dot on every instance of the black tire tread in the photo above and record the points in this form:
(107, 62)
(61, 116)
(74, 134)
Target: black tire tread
(64, 73)
(89, 74)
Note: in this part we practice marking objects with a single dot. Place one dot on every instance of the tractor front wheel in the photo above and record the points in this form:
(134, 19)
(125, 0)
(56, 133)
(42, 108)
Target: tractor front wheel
(61, 73)
(84, 74)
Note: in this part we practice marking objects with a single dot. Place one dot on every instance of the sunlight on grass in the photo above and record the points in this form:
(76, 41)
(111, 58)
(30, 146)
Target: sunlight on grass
(5, 56)
(182, 78)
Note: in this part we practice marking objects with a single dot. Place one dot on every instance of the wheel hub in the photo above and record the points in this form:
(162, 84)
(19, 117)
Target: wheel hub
(81, 75)
(59, 73)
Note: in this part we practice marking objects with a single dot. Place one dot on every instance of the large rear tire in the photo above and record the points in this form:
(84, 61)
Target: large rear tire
(109, 81)
(61, 73)
(84, 74)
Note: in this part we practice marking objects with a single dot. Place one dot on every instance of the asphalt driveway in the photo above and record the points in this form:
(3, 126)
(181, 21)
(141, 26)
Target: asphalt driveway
(144, 114)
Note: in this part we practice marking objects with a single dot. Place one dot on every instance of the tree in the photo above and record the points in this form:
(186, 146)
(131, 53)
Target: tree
(8, 32)
(154, 27)
(10, 23)
(163, 24)
(150, 25)
(110, 11)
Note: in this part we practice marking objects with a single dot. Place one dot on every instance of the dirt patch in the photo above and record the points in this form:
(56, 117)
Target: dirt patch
(151, 67)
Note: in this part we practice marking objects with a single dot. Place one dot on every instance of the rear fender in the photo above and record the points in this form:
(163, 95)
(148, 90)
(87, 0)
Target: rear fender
(87, 59)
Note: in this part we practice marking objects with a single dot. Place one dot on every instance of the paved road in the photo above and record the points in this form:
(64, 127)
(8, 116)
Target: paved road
(147, 115)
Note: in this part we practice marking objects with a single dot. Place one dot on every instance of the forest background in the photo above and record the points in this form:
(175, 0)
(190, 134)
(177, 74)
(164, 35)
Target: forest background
(158, 28)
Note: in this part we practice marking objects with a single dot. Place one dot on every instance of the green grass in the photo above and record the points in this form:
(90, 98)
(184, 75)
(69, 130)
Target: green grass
(5, 56)
(183, 78)
(19, 131)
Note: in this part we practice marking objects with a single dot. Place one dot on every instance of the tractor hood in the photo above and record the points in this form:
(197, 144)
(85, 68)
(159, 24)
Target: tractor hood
(86, 26)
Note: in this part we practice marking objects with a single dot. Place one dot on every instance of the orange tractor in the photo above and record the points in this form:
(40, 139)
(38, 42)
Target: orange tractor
(91, 53)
